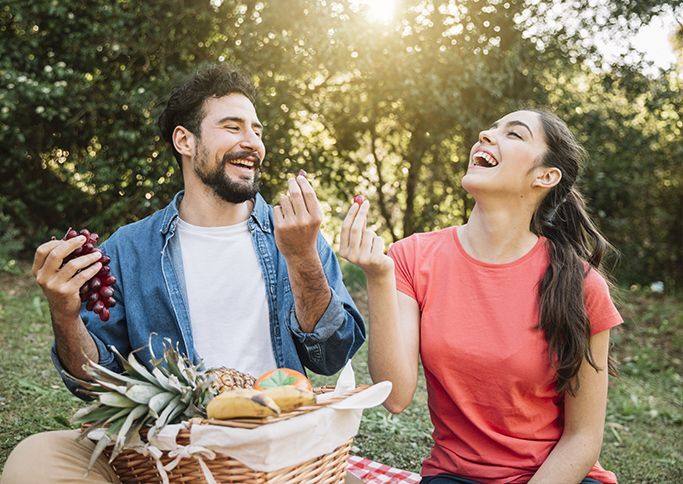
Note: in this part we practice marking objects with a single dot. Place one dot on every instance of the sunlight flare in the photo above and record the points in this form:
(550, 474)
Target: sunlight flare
(379, 10)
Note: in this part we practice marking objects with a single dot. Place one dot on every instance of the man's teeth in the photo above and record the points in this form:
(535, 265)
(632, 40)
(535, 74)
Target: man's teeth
(482, 158)
(247, 163)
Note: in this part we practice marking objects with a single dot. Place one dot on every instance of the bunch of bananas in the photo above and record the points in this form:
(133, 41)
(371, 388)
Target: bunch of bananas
(249, 403)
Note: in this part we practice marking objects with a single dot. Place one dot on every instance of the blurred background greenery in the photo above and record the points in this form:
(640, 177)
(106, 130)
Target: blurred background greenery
(381, 97)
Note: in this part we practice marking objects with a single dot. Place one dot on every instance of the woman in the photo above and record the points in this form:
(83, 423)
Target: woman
(508, 313)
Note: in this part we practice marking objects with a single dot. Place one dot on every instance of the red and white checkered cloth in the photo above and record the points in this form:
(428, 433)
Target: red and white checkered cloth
(371, 472)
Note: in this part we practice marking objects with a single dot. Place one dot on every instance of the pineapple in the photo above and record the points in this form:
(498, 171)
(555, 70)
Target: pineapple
(225, 379)
(173, 391)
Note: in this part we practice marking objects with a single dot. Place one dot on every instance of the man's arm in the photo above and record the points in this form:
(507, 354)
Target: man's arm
(60, 283)
(297, 221)
(310, 289)
(327, 326)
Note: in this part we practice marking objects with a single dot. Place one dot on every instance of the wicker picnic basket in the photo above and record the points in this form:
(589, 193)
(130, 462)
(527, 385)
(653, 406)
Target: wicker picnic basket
(133, 467)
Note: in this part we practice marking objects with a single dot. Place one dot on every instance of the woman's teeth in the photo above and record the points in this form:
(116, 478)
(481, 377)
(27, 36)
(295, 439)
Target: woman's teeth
(482, 158)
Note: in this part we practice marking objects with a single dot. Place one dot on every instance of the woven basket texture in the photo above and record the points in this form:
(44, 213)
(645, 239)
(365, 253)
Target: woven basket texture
(133, 467)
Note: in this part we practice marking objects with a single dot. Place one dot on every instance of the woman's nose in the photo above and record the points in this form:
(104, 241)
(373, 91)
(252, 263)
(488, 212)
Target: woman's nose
(486, 137)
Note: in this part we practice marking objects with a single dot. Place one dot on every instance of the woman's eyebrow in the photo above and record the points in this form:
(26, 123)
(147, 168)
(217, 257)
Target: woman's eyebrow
(519, 123)
(514, 122)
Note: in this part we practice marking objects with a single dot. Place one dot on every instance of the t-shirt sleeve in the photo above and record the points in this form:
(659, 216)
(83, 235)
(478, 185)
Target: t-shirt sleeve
(403, 253)
(600, 309)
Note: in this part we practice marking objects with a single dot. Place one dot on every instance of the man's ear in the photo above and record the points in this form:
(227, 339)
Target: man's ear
(184, 141)
(547, 177)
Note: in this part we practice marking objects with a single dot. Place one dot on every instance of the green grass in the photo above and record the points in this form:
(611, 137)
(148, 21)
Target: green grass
(642, 433)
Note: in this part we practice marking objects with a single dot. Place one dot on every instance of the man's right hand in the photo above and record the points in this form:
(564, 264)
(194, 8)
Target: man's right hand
(61, 282)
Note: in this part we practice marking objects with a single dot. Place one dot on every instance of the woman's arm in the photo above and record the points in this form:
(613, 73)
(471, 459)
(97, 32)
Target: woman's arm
(394, 341)
(394, 335)
(584, 420)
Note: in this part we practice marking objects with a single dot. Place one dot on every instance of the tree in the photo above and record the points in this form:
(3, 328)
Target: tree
(389, 109)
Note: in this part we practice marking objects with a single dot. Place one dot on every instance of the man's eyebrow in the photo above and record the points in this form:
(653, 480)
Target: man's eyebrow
(515, 122)
(237, 119)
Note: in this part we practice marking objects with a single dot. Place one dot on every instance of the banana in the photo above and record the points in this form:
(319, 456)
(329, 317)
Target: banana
(289, 398)
(242, 403)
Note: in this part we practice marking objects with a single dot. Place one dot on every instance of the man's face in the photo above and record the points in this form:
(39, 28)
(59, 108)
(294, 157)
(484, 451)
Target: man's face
(230, 149)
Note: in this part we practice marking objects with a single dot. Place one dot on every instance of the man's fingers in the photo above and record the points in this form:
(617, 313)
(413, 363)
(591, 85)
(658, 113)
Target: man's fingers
(56, 256)
(309, 196)
(296, 197)
(278, 215)
(286, 205)
(42, 253)
(84, 276)
(79, 263)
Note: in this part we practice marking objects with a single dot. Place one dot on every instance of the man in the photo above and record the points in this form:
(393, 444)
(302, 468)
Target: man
(232, 280)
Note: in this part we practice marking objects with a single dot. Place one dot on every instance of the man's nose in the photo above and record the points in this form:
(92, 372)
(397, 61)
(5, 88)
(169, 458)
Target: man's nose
(251, 142)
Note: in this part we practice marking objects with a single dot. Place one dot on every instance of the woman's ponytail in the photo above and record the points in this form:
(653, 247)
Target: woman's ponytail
(575, 246)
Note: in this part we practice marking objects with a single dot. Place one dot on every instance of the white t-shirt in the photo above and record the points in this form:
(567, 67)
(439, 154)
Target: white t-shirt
(227, 297)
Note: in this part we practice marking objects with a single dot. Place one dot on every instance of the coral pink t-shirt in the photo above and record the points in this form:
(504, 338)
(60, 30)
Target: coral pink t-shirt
(491, 391)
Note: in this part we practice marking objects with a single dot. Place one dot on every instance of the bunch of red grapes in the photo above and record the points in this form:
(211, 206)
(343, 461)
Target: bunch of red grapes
(98, 292)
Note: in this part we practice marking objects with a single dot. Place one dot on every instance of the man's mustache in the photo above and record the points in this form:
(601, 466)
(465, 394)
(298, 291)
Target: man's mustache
(242, 155)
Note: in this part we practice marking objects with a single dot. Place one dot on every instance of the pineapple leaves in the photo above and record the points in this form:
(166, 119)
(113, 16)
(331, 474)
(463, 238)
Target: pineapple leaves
(174, 389)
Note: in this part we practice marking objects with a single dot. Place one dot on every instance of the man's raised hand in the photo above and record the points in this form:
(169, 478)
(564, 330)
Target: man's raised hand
(297, 220)
(61, 282)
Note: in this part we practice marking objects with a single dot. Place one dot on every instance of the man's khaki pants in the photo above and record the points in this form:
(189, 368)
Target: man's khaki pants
(59, 457)
(55, 457)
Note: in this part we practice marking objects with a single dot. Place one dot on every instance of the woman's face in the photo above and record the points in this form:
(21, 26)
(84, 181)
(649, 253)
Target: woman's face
(505, 159)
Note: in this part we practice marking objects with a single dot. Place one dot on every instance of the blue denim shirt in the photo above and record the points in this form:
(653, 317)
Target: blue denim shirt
(151, 298)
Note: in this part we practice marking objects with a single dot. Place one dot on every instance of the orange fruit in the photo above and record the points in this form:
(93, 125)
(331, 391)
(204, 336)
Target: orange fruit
(282, 377)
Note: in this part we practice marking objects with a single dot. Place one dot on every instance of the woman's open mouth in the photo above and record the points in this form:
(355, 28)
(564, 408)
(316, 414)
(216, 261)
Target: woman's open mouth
(484, 159)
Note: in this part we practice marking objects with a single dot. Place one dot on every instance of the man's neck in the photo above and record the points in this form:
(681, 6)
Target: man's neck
(201, 207)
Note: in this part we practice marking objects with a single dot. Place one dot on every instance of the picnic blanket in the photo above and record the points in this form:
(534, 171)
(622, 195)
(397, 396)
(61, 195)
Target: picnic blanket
(371, 472)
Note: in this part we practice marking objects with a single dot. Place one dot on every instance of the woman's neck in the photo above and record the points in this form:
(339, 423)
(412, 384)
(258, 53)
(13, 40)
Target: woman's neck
(497, 235)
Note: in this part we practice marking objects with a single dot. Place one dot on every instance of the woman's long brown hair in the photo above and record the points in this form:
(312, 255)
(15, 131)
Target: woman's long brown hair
(575, 246)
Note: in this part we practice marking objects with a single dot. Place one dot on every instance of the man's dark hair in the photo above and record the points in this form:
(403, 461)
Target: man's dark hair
(186, 101)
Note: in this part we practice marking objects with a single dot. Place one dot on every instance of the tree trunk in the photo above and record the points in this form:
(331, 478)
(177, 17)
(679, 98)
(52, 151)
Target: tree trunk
(416, 150)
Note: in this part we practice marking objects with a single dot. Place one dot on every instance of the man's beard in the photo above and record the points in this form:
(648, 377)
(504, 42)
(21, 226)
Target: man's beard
(220, 182)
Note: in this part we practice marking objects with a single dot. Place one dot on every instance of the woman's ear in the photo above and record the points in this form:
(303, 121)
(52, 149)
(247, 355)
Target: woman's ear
(184, 141)
(547, 177)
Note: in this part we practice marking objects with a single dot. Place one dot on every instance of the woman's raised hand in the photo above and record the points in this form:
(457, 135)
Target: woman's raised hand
(361, 246)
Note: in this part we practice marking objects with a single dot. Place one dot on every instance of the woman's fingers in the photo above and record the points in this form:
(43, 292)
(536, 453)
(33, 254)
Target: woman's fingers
(377, 246)
(365, 247)
(358, 226)
(346, 227)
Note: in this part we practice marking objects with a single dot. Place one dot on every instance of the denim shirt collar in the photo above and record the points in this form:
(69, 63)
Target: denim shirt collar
(259, 214)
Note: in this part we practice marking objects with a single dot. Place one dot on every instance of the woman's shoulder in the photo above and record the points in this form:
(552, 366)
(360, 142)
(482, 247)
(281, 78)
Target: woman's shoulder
(594, 281)
(600, 308)
(425, 239)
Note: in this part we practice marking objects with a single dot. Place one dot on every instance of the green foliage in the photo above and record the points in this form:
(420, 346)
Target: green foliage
(354, 277)
(389, 110)
(10, 241)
